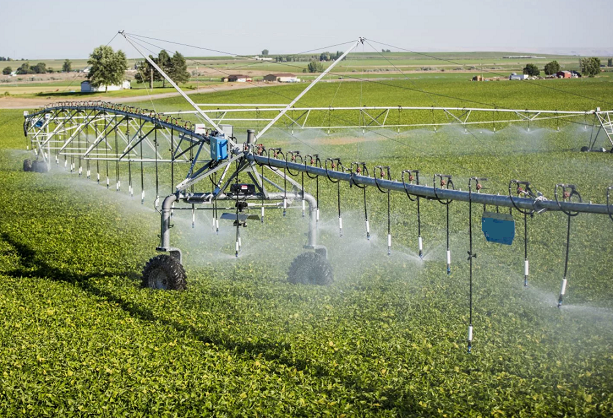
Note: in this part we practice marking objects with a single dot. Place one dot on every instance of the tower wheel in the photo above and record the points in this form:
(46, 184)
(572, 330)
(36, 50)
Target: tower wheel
(310, 268)
(164, 272)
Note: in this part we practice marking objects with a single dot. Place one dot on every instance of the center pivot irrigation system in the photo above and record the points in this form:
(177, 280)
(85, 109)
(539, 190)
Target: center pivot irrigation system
(102, 137)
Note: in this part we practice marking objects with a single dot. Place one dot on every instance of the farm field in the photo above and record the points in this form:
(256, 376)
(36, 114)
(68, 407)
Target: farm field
(209, 70)
(387, 338)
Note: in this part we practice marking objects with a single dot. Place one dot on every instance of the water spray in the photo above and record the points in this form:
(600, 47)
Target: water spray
(569, 191)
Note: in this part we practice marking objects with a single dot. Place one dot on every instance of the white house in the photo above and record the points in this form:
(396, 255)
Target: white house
(516, 76)
(86, 87)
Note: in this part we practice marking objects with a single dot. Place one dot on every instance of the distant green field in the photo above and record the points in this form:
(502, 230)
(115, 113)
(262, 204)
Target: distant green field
(426, 90)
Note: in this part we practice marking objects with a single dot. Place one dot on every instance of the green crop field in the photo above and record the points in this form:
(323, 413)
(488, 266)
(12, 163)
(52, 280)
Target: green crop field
(80, 336)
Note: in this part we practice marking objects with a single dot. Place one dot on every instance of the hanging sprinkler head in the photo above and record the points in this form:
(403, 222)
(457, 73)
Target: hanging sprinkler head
(336, 165)
(569, 192)
(445, 181)
(471, 256)
(523, 190)
(413, 175)
(360, 168)
(385, 171)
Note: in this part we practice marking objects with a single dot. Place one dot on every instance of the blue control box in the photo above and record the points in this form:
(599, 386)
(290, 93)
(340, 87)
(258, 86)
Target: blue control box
(498, 227)
(219, 148)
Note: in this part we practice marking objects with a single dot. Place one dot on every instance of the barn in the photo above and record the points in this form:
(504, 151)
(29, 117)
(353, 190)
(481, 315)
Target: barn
(238, 78)
(282, 78)
(563, 74)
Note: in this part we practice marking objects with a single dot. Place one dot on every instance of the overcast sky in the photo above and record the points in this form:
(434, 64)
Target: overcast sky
(37, 29)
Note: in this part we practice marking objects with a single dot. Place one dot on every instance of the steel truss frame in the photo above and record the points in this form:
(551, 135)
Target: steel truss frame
(373, 117)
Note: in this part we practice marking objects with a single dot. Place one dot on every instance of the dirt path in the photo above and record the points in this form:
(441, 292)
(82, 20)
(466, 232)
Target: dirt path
(12, 102)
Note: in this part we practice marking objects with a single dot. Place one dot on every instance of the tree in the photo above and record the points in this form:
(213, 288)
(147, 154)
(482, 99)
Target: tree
(163, 61)
(40, 68)
(590, 66)
(315, 67)
(67, 66)
(175, 68)
(144, 72)
(107, 67)
(24, 69)
(178, 69)
(7, 70)
(609, 62)
(552, 68)
(532, 70)
(264, 52)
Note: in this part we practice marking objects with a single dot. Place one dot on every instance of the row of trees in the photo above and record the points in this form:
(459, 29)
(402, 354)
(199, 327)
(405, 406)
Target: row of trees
(589, 67)
(175, 67)
(324, 56)
(40, 68)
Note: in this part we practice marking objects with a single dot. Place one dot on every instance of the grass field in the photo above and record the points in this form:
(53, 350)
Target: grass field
(388, 338)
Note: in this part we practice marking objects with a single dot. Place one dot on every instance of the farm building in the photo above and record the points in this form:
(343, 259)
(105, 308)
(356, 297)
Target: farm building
(282, 78)
(86, 87)
(239, 78)
(564, 74)
(516, 76)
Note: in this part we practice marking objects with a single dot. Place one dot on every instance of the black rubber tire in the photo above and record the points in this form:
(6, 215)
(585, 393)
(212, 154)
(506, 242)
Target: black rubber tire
(39, 166)
(585, 149)
(27, 165)
(164, 272)
(310, 268)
